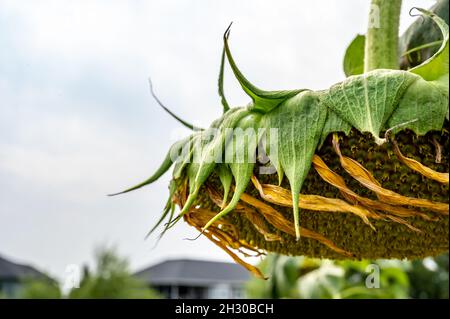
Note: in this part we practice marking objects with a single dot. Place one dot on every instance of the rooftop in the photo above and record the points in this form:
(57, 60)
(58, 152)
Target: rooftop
(13, 271)
(193, 272)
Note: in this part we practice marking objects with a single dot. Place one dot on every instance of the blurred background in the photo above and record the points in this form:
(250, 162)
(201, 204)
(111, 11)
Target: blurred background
(77, 122)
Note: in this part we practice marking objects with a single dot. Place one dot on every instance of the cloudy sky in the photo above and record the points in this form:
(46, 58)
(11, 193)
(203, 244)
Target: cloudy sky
(77, 120)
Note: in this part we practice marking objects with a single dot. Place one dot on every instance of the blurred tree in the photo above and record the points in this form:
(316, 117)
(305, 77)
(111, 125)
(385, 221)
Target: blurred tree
(41, 289)
(429, 278)
(111, 279)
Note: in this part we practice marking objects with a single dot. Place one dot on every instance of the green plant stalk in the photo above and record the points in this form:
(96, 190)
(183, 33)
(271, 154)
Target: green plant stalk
(381, 46)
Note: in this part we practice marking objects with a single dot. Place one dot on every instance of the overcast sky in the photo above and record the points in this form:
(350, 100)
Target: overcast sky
(77, 120)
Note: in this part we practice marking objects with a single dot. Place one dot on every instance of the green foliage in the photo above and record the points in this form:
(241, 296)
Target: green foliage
(334, 123)
(41, 289)
(430, 278)
(435, 69)
(422, 38)
(111, 279)
(393, 280)
(283, 273)
(367, 101)
(420, 42)
(354, 56)
(301, 277)
(419, 96)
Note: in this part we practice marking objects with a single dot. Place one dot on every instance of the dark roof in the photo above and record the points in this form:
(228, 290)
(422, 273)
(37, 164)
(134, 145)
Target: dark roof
(12, 271)
(193, 273)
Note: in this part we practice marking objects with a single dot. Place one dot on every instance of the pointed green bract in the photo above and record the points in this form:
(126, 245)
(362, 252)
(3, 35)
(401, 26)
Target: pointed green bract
(367, 101)
(270, 144)
(202, 142)
(161, 104)
(226, 178)
(242, 146)
(194, 169)
(300, 121)
(263, 101)
(166, 164)
(223, 100)
(168, 208)
(185, 157)
(204, 165)
(169, 222)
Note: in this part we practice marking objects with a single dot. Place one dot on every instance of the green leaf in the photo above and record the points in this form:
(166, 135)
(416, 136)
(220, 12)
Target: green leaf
(417, 43)
(367, 101)
(425, 104)
(284, 277)
(422, 108)
(263, 101)
(436, 68)
(333, 123)
(241, 145)
(354, 56)
(300, 122)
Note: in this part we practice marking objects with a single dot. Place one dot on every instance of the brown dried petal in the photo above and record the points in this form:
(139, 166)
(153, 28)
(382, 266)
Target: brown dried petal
(420, 168)
(362, 175)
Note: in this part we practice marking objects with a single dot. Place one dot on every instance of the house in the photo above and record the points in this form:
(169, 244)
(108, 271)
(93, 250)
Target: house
(194, 279)
(12, 276)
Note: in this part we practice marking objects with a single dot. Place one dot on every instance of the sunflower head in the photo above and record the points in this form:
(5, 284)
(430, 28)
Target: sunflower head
(359, 170)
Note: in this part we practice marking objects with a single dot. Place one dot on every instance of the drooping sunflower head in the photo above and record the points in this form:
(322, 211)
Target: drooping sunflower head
(359, 170)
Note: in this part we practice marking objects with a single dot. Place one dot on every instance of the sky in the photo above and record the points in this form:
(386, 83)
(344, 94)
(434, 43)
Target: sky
(77, 120)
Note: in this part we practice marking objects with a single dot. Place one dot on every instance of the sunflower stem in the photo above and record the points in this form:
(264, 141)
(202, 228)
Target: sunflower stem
(381, 46)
